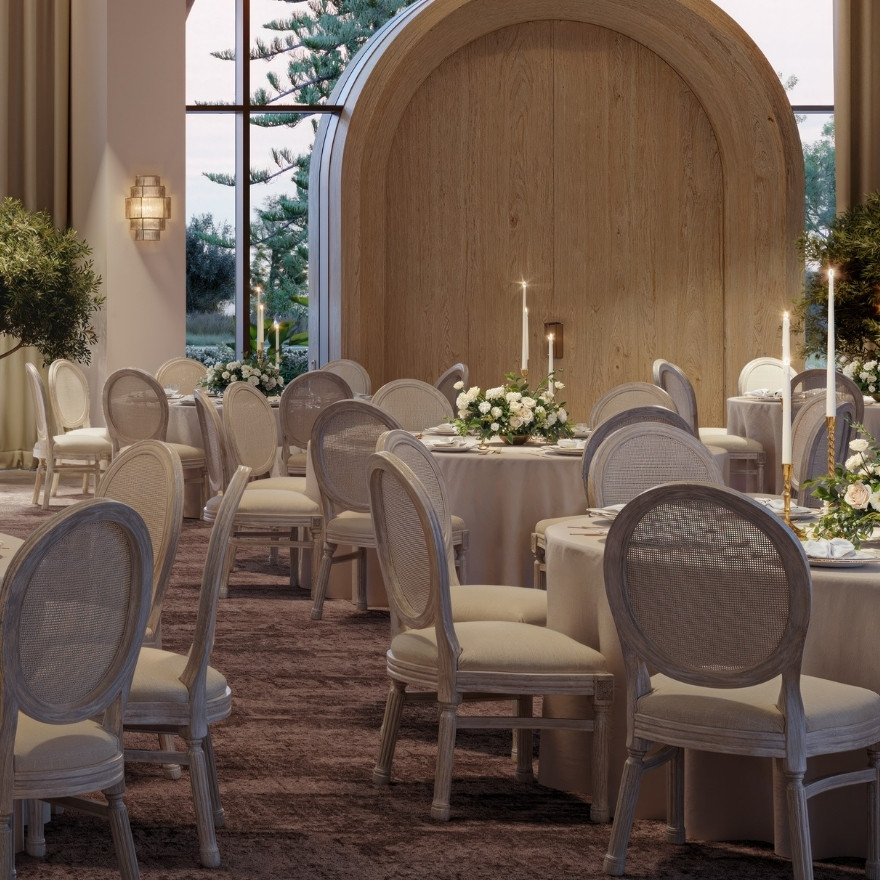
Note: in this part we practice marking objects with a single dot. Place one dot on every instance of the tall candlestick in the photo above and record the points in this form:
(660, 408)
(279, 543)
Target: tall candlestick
(831, 387)
(786, 391)
(550, 363)
(277, 345)
(525, 331)
(260, 308)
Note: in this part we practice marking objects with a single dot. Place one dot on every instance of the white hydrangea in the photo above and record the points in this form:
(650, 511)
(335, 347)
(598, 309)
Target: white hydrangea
(461, 402)
(495, 426)
(562, 415)
(495, 393)
(495, 412)
(513, 396)
(458, 385)
(551, 419)
(859, 444)
(484, 407)
(530, 402)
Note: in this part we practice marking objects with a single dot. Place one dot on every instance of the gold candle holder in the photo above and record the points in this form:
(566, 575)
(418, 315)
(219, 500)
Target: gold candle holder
(524, 373)
(831, 422)
(786, 500)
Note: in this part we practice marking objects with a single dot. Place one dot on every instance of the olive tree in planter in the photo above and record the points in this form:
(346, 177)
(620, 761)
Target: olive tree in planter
(48, 289)
(852, 249)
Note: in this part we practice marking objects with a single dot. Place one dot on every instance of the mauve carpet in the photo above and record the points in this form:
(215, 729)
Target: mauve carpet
(296, 756)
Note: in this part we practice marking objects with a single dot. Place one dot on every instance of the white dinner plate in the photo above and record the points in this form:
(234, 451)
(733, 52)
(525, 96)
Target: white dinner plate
(861, 557)
(795, 511)
(439, 447)
(566, 450)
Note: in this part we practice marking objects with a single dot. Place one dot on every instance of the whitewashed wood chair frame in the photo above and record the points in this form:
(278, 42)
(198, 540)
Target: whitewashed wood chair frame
(415, 568)
(447, 380)
(186, 373)
(639, 457)
(414, 404)
(302, 400)
(815, 381)
(627, 396)
(73, 453)
(637, 415)
(89, 571)
(355, 375)
(182, 694)
(762, 372)
(722, 602)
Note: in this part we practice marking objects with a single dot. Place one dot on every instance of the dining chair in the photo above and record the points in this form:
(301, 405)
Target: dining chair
(639, 457)
(275, 517)
(675, 382)
(638, 415)
(182, 694)
(762, 372)
(626, 396)
(447, 380)
(813, 383)
(415, 404)
(183, 372)
(70, 399)
(495, 659)
(809, 445)
(355, 375)
(711, 593)
(148, 477)
(74, 603)
(301, 401)
(56, 454)
(474, 601)
(344, 437)
(136, 408)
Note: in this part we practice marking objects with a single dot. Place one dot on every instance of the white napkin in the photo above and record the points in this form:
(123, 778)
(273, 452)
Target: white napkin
(447, 441)
(567, 443)
(776, 504)
(836, 548)
(763, 393)
(445, 428)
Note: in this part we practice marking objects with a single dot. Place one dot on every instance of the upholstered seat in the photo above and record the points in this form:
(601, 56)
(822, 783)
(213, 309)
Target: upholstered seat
(498, 602)
(157, 679)
(85, 744)
(270, 503)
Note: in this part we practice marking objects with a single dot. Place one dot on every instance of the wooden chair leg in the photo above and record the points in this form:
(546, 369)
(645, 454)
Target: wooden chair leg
(38, 481)
(602, 700)
(615, 859)
(390, 727)
(213, 784)
(872, 860)
(675, 832)
(121, 831)
(523, 739)
(445, 754)
(320, 586)
(7, 845)
(35, 840)
(361, 574)
(209, 854)
(166, 744)
(799, 826)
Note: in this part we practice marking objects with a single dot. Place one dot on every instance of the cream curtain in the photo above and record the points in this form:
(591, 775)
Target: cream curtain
(857, 99)
(34, 138)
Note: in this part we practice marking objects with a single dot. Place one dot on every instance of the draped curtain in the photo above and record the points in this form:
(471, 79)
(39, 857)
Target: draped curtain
(34, 162)
(856, 99)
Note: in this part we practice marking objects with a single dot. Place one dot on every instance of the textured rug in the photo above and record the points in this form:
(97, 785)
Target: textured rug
(296, 756)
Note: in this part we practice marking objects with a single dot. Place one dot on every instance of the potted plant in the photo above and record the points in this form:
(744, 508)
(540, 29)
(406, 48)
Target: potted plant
(48, 289)
(852, 249)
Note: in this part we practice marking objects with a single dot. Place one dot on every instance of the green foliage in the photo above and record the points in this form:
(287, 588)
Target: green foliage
(48, 289)
(210, 264)
(852, 248)
(821, 188)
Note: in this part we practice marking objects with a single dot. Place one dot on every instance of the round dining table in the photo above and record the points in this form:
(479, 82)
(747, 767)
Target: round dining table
(760, 418)
(726, 797)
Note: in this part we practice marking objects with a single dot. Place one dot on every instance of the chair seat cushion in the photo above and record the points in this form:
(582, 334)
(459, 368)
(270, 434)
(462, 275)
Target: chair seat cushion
(829, 706)
(190, 456)
(353, 525)
(45, 747)
(501, 646)
(297, 461)
(80, 444)
(729, 442)
(498, 602)
(157, 679)
(269, 501)
(287, 484)
(458, 527)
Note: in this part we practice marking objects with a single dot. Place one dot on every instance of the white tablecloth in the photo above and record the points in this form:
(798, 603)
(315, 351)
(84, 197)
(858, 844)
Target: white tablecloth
(840, 645)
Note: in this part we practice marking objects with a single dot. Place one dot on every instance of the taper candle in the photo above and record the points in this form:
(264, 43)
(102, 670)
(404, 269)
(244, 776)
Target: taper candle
(277, 345)
(786, 390)
(831, 386)
(550, 362)
(524, 365)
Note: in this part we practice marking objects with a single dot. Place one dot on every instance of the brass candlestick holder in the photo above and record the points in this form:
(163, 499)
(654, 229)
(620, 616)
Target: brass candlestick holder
(786, 500)
(831, 422)
(524, 373)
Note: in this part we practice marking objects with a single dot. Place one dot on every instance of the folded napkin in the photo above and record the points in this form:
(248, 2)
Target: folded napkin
(835, 548)
(773, 503)
(566, 443)
(763, 393)
(445, 428)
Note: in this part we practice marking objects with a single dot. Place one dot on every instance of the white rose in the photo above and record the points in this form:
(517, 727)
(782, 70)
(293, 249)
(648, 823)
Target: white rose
(562, 415)
(527, 416)
(484, 407)
(859, 444)
(495, 412)
(874, 500)
(458, 385)
(857, 495)
(253, 380)
(226, 374)
(494, 393)
(558, 385)
(512, 396)
(495, 426)
(461, 402)
(854, 462)
(529, 402)
(516, 422)
(551, 419)
(473, 393)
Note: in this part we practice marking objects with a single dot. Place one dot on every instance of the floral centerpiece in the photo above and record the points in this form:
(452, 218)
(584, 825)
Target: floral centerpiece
(865, 372)
(852, 493)
(261, 373)
(513, 411)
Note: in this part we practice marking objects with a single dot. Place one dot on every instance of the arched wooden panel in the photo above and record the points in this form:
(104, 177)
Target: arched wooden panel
(591, 148)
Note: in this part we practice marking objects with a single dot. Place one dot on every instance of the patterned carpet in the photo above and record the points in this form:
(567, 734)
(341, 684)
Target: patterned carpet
(295, 762)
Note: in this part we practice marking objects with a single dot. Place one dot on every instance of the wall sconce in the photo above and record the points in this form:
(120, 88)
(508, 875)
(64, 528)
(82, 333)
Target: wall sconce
(556, 330)
(147, 208)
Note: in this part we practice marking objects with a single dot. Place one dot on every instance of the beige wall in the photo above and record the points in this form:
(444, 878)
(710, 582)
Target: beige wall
(128, 118)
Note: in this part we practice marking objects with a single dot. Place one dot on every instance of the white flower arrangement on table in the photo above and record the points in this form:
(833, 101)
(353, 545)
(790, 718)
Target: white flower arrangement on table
(865, 372)
(512, 411)
(262, 374)
(852, 493)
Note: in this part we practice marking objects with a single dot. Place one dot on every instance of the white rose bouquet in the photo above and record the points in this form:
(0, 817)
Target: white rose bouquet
(865, 372)
(852, 493)
(512, 411)
(262, 374)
